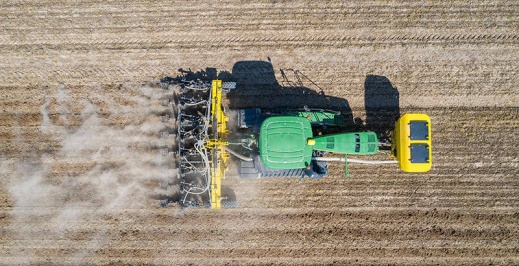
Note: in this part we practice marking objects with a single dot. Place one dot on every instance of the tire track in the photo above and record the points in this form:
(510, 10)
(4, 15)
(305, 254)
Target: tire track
(257, 41)
(276, 17)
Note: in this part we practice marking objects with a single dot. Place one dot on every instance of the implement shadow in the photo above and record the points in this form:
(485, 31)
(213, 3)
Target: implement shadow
(204, 75)
(257, 87)
(382, 103)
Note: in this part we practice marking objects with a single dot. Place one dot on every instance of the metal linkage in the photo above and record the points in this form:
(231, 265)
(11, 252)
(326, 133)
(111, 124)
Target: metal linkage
(196, 85)
(192, 120)
(201, 144)
(186, 101)
(185, 84)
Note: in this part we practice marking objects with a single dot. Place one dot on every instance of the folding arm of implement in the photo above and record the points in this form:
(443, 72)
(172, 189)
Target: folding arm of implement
(217, 144)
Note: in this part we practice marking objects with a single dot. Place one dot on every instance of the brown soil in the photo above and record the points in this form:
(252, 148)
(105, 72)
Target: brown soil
(79, 123)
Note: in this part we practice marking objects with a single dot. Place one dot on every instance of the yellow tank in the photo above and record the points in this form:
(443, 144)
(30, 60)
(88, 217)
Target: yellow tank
(412, 145)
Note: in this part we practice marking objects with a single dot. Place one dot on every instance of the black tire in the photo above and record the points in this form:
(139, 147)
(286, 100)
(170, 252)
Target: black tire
(276, 173)
(247, 170)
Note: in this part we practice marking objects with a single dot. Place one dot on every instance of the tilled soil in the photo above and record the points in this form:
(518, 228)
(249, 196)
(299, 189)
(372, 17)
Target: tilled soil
(81, 115)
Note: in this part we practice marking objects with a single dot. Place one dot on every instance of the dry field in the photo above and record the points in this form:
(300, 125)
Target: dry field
(80, 161)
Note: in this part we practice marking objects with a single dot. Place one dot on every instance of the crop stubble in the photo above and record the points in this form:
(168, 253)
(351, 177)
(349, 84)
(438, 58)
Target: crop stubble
(456, 61)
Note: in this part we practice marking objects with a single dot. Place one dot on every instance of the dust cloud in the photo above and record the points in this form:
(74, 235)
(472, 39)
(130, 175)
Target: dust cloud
(101, 157)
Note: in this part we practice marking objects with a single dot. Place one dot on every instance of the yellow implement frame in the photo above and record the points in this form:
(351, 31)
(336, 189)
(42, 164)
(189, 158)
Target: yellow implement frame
(217, 144)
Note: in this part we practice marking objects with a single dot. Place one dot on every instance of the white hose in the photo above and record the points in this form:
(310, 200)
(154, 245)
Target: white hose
(207, 173)
(335, 159)
(241, 157)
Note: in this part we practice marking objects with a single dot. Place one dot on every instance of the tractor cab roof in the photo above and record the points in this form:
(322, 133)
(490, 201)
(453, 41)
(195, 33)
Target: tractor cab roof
(283, 142)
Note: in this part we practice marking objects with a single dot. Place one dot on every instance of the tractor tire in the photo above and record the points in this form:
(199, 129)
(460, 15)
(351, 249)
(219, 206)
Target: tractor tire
(276, 173)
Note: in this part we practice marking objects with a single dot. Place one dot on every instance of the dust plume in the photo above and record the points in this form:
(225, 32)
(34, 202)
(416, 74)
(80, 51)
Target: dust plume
(102, 154)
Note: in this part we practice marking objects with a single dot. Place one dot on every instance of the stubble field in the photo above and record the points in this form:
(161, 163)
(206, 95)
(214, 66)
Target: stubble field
(80, 106)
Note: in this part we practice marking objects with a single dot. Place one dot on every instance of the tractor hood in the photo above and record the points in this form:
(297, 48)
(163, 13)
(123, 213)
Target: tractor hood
(283, 142)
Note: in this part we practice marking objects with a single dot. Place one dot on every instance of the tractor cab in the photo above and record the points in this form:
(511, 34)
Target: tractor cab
(283, 142)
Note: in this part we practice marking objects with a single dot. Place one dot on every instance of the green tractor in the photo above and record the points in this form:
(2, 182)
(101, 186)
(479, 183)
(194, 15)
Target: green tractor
(270, 143)
(292, 143)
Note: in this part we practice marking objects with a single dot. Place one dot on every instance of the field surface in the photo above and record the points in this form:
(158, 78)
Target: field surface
(80, 105)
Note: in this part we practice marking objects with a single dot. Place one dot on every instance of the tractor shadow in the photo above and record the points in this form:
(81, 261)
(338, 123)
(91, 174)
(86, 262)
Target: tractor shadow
(382, 103)
(257, 87)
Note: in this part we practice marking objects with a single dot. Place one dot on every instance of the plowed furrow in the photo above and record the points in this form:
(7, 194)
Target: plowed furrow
(238, 18)
(64, 42)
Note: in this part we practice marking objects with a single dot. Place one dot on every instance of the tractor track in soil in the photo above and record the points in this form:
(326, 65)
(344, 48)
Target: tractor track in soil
(92, 68)
(67, 42)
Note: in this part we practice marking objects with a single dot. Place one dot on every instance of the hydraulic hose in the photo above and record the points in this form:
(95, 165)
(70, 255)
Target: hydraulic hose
(335, 159)
(241, 157)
